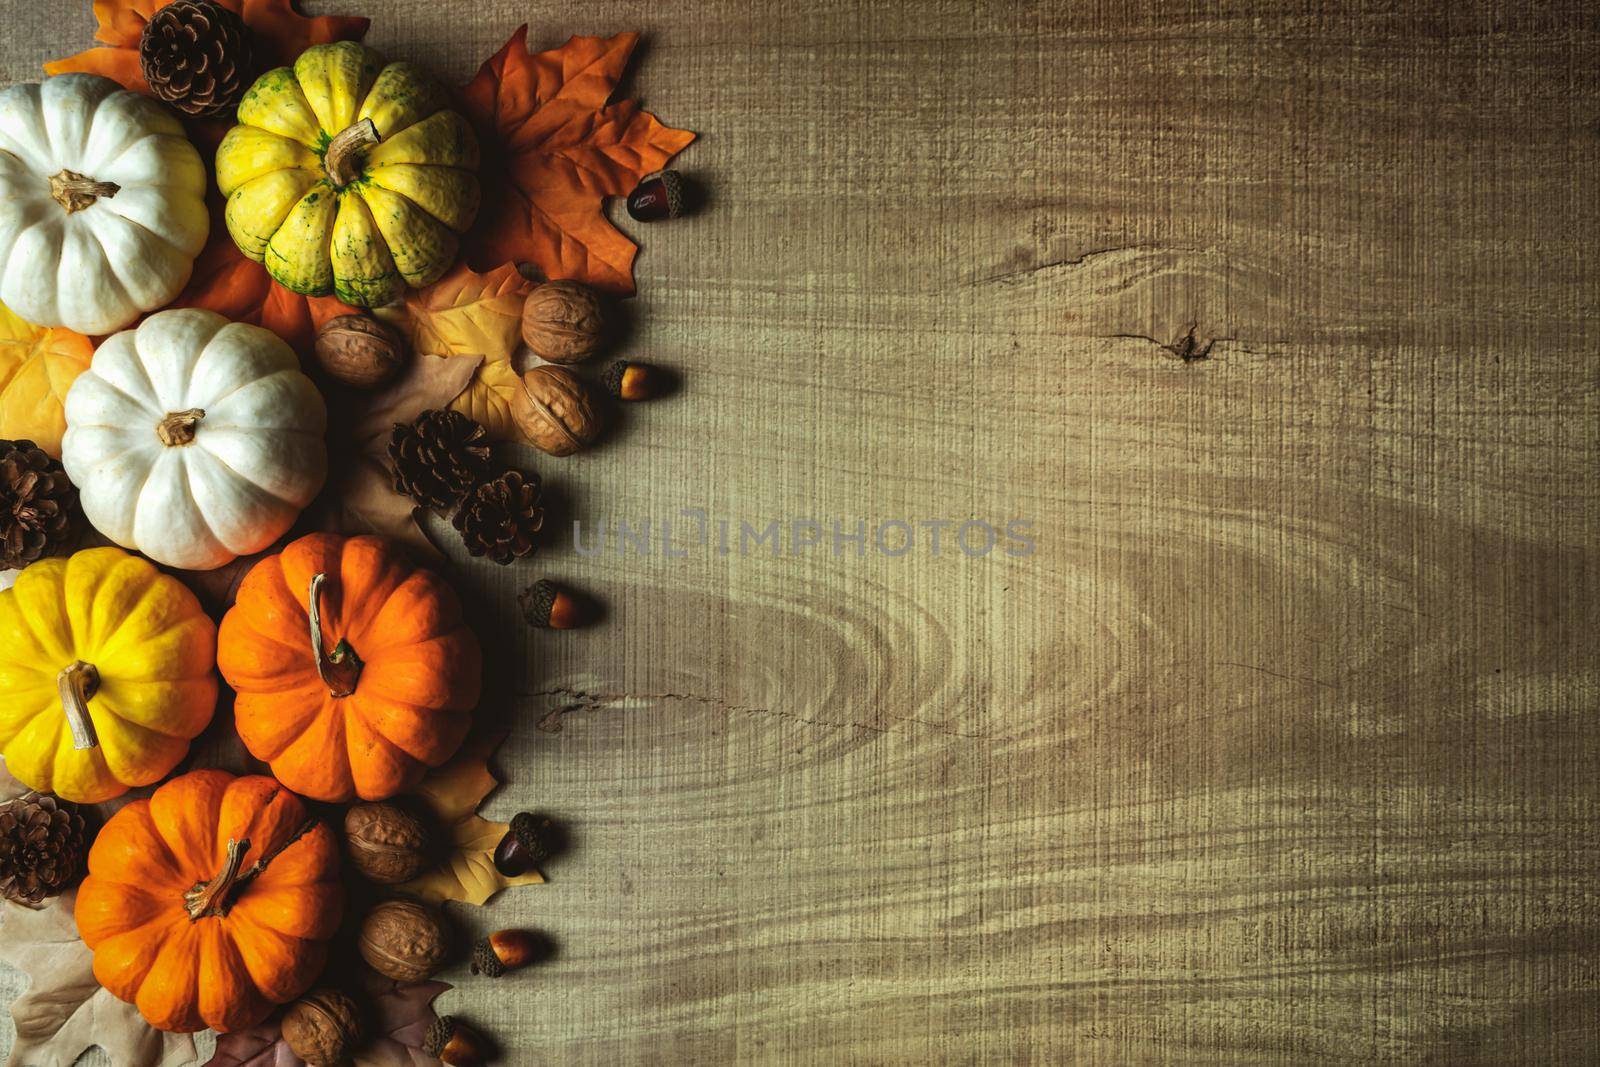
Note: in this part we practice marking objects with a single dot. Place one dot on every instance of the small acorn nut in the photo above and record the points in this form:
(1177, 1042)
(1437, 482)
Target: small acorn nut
(523, 847)
(633, 381)
(322, 1028)
(387, 844)
(403, 940)
(555, 411)
(454, 1043)
(546, 605)
(562, 322)
(360, 351)
(505, 950)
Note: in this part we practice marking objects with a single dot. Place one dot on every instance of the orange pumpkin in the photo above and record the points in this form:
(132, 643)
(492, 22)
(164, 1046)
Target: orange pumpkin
(211, 902)
(354, 668)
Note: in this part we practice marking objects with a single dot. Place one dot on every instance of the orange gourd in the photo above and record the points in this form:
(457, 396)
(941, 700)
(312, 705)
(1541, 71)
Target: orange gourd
(354, 668)
(211, 902)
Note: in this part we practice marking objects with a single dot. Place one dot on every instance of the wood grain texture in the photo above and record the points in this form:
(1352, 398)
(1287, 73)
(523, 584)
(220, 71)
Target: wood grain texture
(1282, 748)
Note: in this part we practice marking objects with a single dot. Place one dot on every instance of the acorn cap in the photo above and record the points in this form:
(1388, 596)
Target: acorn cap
(529, 829)
(611, 377)
(484, 961)
(439, 1034)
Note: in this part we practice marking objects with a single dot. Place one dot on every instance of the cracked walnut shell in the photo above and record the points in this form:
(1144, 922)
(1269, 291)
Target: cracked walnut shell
(403, 940)
(555, 411)
(561, 322)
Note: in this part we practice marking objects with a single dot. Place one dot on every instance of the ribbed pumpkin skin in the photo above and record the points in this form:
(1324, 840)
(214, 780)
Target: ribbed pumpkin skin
(421, 675)
(153, 647)
(396, 224)
(222, 971)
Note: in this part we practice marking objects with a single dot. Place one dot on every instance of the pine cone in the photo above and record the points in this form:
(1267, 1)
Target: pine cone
(500, 517)
(38, 504)
(439, 458)
(42, 846)
(197, 56)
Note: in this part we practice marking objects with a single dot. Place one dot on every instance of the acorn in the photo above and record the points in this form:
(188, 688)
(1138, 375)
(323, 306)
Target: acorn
(657, 197)
(634, 381)
(506, 950)
(523, 847)
(455, 1044)
(546, 604)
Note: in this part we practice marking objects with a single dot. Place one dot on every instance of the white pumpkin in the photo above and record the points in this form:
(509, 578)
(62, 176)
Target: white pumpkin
(102, 203)
(194, 439)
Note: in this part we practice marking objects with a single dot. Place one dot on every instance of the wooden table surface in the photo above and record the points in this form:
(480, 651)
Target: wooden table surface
(1281, 744)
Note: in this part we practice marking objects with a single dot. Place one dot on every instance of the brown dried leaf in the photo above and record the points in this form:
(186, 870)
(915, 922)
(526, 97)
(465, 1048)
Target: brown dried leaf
(453, 793)
(65, 1010)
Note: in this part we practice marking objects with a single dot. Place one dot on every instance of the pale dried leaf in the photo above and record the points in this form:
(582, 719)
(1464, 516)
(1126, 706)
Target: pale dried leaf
(65, 1010)
(453, 792)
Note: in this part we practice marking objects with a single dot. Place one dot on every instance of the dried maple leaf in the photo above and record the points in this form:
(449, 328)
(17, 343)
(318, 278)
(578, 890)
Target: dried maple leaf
(399, 1015)
(453, 792)
(37, 367)
(65, 1010)
(553, 150)
(281, 33)
(470, 314)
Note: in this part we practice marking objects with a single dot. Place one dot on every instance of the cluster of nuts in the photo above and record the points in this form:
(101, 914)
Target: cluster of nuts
(408, 941)
(564, 323)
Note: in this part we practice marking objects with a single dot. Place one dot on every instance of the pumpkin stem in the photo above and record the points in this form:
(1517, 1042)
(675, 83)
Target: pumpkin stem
(76, 685)
(343, 157)
(341, 668)
(74, 191)
(215, 897)
(177, 427)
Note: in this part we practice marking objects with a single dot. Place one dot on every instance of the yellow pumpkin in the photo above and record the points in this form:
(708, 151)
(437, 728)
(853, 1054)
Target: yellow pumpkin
(348, 175)
(106, 674)
(37, 367)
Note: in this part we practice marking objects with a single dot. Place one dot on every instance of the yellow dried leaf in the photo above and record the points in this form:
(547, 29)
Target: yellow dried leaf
(37, 367)
(453, 793)
(465, 314)
(488, 398)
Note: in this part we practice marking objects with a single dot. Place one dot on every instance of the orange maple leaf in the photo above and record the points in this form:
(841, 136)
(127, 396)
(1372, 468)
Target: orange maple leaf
(281, 33)
(553, 150)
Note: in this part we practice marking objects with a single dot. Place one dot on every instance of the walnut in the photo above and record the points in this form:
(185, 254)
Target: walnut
(322, 1028)
(360, 351)
(403, 940)
(385, 843)
(555, 411)
(561, 322)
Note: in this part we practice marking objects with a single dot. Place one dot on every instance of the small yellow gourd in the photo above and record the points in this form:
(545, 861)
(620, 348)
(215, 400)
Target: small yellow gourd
(348, 175)
(106, 674)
